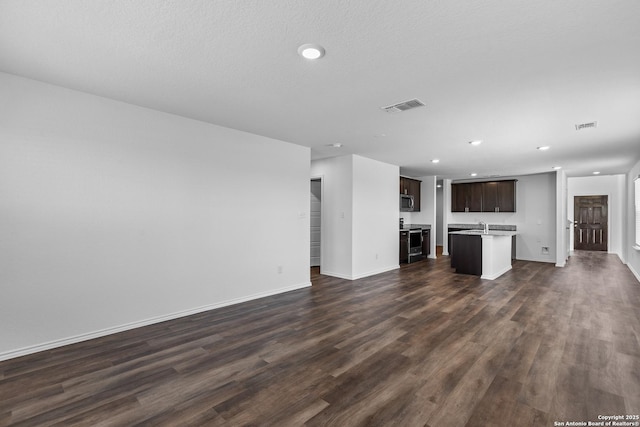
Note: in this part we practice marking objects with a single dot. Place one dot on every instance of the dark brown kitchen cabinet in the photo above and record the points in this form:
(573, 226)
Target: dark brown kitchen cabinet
(426, 242)
(466, 254)
(499, 196)
(404, 246)
(411, 187)
(490, 196)
(466, 197)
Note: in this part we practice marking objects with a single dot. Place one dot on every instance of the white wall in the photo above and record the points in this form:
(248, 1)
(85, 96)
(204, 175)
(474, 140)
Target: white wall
(563, 225)
(427, 214)
(376, 242)
(612, 186)
(360, 211)
(337, 214)
(446, 214)
(535, 216)
(113, 216)
(632, 255)
(439, 216)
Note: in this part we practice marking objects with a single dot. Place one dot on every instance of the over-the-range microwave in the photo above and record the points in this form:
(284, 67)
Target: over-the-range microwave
(406, 203)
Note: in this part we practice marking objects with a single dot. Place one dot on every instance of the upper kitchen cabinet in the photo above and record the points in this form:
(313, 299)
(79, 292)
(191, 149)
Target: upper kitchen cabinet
(466, 197)
(492, 196)
(411, 187)
(499, 196)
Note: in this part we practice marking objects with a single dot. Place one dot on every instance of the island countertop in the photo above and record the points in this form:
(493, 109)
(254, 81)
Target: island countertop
(408, 227)
(482, 233)
(476, 226)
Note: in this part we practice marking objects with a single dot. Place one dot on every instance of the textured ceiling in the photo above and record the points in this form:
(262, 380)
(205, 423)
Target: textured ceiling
(516, 74)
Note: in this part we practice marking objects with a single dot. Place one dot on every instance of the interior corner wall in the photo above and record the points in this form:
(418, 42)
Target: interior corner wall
(114, 216)
(359, 234)
(375, 217)
(337, 215)
(613, 186)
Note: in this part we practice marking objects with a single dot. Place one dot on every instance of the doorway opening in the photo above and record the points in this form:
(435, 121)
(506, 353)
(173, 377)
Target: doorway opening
(315, 216)
(590, 223)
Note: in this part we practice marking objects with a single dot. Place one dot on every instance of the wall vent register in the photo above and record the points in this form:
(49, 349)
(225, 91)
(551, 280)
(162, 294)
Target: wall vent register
(589, 125)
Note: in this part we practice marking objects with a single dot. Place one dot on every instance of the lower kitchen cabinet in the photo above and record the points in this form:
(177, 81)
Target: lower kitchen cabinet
(404, 246)
(466, 254)
(426, 242)
(450, 229)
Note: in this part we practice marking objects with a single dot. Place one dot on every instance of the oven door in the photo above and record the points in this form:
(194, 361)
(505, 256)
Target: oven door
(415, 242)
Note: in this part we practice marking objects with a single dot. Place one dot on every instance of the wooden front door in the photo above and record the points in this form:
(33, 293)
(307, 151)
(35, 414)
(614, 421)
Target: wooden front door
(590, 224)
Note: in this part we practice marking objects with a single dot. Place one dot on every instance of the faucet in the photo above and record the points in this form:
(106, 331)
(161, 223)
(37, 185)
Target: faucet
(485, 227)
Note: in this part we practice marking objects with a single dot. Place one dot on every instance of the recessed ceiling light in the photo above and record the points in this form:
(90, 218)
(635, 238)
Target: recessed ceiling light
(544, 148)
(439, 186)
(476, 142)
(335, 145)
(435, 161)
(556, 167)
(596, 173)
(311, 51)
(473, 174)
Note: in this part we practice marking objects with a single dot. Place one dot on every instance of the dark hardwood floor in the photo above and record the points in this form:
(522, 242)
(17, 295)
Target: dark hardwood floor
(412, 347)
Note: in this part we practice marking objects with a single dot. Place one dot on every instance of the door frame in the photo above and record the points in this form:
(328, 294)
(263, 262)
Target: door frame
(322, 231)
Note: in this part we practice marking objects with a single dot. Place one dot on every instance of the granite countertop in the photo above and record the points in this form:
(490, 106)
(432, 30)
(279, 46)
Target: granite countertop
(477, 232)
(496, 227)
(408, 227)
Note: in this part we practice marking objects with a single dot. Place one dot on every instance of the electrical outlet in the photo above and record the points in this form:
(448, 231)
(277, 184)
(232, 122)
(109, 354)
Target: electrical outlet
(279, 269)
(545, 250)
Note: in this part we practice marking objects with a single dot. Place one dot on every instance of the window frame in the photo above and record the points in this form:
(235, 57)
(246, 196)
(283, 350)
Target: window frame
(636, 184)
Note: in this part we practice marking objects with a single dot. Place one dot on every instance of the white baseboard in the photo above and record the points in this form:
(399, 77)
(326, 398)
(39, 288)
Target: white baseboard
(359, 276)
(334, 274)
(496, 275)
(546, 260)
(138, 324)
(374, 272)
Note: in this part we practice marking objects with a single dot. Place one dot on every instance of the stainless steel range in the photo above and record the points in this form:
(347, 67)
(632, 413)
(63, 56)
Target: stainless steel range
(415, 244)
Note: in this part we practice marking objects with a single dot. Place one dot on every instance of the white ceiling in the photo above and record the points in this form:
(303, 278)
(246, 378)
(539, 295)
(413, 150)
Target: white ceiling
(516, 74)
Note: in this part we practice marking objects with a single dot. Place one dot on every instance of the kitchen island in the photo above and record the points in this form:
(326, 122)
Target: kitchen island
(483, 253)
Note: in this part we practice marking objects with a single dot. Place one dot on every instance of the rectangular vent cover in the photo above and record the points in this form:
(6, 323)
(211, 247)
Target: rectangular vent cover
(587, 125)
(404, 106)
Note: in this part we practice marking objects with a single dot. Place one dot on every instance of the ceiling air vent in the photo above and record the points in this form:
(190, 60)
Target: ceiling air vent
(404, 106)
(587, 125)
